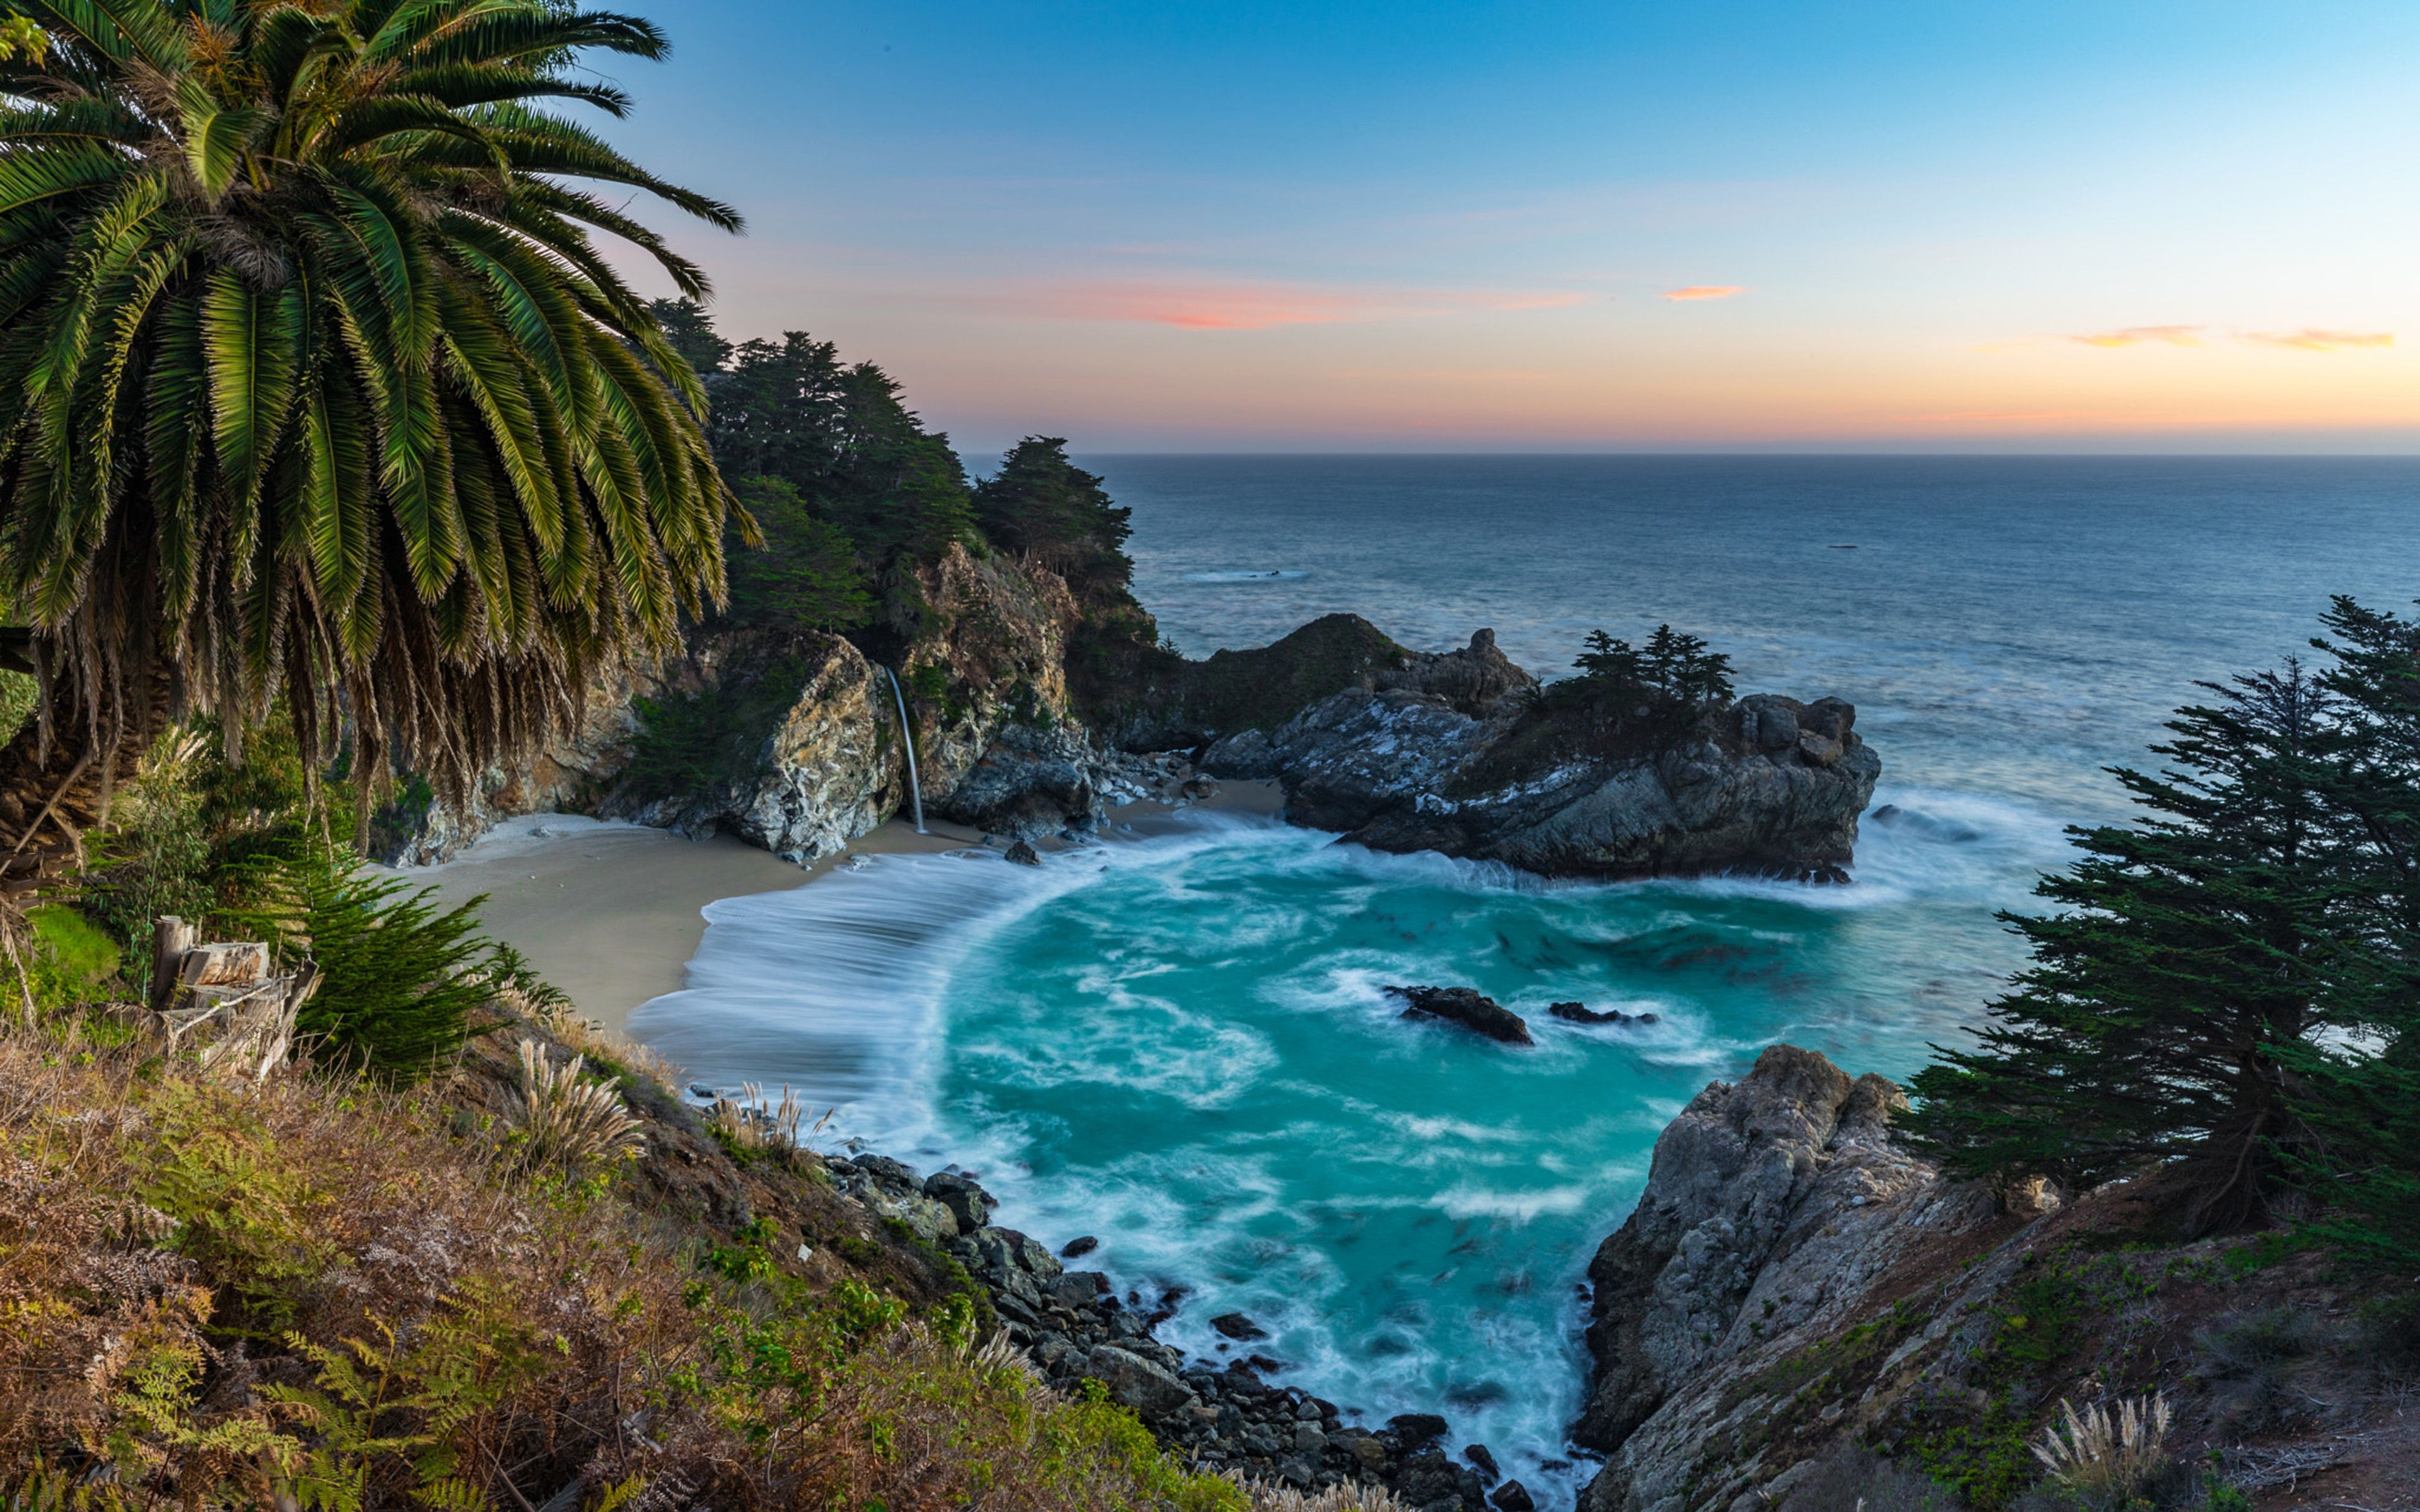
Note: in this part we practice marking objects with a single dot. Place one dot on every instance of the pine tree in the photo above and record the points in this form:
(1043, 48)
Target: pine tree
(2196, 954)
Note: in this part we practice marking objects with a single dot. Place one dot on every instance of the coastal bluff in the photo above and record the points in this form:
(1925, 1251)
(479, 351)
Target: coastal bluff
(1032, 713)
(1803, 1313)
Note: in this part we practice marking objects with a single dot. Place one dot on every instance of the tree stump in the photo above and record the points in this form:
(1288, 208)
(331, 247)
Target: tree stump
(222, 1002)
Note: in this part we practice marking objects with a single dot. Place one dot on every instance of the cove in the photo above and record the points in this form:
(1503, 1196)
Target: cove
(1182, 1047)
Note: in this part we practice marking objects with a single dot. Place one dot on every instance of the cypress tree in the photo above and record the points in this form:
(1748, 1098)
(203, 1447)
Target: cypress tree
(2358, 1092)
(2193, 960)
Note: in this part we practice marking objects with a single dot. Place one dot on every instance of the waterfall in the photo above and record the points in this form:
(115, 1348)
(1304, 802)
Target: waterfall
(907, 738)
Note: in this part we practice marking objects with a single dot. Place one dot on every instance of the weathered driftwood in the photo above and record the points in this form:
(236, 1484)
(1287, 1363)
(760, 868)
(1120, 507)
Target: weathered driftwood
(221, 1000)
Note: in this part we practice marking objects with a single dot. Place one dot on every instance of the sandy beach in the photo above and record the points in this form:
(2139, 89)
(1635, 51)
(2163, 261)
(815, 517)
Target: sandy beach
(610, 912)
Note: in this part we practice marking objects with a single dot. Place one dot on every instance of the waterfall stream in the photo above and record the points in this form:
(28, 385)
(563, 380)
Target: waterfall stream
(907, 738)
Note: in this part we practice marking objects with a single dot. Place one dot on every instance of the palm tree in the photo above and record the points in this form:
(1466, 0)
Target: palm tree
(315, 387)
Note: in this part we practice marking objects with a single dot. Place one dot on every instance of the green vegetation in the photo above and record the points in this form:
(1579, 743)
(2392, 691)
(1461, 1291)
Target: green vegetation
(2229, 989)
(419, 1318)
(806, 576)
(835, 433)
(315, 384)
(689, 741)
(1672, 670)
(399, 978)
(1043, 505)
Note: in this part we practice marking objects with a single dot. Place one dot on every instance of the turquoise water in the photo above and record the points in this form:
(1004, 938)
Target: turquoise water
(1180, 1045)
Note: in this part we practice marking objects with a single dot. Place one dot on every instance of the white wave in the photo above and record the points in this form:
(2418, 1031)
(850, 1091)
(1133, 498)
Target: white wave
(1465, 1201)
(831, 989)
(525, 833)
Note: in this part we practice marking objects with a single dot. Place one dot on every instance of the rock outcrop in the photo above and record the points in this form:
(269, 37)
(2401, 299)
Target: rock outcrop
(1772, 788)
(1467, 1007)
(1398, 749)
(820, 760)
(1177, 702)
(1774, 1207)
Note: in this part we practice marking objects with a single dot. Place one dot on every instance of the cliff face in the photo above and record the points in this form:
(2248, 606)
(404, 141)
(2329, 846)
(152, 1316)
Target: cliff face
(1439, 756)
(797, 743)
(1774, 1206)
(984, 681)
(1802, 1314)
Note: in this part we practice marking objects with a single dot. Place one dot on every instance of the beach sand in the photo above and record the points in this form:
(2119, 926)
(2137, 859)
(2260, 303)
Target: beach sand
(610, 912)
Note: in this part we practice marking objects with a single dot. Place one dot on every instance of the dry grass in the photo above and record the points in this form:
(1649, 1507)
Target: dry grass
(1348, 1498)
(566, 1123)
(590, 1038)
(322, 1293)
(2107, 1458)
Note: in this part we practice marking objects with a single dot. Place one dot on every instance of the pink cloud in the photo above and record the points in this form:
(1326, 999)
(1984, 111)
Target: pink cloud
(2312, 339)
(2143, 336)
(1260, 306)
(1703, 291)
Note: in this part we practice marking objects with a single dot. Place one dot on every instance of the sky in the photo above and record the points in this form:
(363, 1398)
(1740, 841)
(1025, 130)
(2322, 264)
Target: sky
(2116, 226)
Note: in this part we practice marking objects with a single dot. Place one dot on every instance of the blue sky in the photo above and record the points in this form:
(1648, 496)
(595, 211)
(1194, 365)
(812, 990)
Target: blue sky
(2134, 226)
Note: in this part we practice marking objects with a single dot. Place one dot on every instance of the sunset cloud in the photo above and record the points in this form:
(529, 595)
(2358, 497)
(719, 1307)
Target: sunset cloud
(1262, 306)
(2312, 339)
(1703, 291)
(2144, 337)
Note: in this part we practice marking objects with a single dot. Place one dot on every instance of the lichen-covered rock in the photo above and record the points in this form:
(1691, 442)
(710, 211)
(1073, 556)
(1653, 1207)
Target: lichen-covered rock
(1774, 1206)
(830, 770)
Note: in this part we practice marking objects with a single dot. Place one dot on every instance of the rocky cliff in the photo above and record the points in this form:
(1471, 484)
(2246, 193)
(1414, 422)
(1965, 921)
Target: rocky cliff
(1442, 754)
(792, 742)
(1803, 1313)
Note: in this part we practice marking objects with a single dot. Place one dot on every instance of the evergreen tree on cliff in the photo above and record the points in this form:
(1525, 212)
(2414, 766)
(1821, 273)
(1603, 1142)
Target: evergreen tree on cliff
(315, 386)
(2196, 954)
(2359, 1091)
(839, 434)
(1041, 503)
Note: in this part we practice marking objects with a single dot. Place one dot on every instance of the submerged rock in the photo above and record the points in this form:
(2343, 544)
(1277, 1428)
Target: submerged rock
(1582, 1013)
(1023, 854)
(1467, 1007)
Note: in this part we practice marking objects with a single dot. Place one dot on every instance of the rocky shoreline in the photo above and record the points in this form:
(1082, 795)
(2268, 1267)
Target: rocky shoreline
(1073, 1325)
(1800, 1314)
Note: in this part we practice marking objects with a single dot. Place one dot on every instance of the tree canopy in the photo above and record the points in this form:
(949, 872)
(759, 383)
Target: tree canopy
(313, 382)
(2228, 989)
(1041, 503)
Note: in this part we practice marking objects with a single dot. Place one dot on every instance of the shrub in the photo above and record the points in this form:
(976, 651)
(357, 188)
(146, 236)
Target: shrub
(2247, 1359)
(81, 951)
(1854, 1479)
(399, 980)
(2105, 1458)
(689, 741)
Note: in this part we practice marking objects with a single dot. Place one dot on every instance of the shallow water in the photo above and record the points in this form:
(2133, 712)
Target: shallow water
(1181, 1046)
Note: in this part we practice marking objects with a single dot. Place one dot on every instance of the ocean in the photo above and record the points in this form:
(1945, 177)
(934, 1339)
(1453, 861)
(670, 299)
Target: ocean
(1181, 1046)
